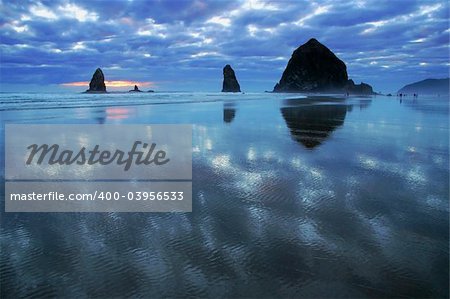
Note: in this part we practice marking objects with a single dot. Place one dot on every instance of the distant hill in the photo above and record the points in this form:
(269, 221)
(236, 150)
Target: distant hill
(427, 86)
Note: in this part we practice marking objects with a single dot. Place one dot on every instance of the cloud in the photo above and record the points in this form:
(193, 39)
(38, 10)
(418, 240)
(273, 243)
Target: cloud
(53, 42)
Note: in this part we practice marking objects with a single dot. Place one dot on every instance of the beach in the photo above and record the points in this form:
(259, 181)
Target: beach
(293, 196)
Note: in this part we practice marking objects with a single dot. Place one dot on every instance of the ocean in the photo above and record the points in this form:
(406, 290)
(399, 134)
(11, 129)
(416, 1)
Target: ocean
(293, 196)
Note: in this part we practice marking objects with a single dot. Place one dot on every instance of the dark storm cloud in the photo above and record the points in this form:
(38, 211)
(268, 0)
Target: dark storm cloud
(51, 42)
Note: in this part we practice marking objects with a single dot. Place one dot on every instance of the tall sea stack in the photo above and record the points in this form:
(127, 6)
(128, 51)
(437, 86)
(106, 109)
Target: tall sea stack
(313, 68)
(230, 83)
(97, 84)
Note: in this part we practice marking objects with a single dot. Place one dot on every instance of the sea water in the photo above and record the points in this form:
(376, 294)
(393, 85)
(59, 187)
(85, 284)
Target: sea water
(293, 196)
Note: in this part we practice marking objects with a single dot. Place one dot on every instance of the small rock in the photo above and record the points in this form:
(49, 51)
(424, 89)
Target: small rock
(358, 89)
(136, 89)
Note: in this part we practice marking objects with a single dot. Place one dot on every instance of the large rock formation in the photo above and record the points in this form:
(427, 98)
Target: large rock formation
(314, 68)
(97, 84)
(230, 83)
(428, 86)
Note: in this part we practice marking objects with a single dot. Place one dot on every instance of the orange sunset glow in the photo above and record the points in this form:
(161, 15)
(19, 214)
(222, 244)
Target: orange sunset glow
(113, 83)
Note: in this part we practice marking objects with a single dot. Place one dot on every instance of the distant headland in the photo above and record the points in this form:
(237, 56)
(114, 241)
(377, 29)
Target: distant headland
(427, 86)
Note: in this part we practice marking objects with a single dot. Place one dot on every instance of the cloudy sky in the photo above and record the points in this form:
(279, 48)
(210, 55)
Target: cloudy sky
(183, 45)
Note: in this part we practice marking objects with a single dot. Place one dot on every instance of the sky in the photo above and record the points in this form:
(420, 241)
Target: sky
(184, 45)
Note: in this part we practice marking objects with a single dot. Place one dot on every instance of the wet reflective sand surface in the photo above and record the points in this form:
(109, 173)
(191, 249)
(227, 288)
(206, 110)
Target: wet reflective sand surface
(293, 196)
